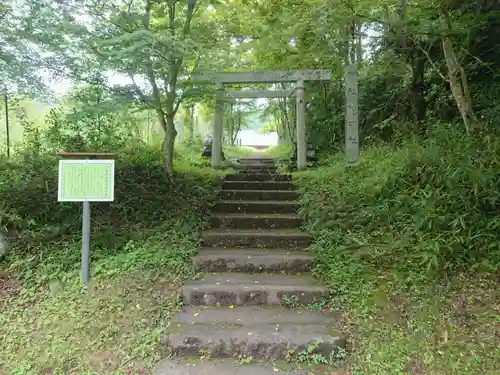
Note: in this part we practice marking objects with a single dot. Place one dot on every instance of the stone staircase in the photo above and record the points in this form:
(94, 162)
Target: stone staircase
(254, 268)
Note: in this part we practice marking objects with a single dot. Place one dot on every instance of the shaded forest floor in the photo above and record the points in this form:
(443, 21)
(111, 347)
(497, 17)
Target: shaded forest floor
(142, 245)
(408, 243)
(410, 305)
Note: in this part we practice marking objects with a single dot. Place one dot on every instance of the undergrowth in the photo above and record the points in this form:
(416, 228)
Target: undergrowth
(234, 151)
(279, 151)
(408, 243)
(141, 249)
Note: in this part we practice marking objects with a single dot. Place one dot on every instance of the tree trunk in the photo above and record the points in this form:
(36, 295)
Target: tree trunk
(169, 140)
(418, 85)
(168, 125)
(230, 133)
(458, 78)
(280, 127)
(191, 123)
(230, 125)
(286, 121)
(236, 129)
(359, 45)
(293, 124)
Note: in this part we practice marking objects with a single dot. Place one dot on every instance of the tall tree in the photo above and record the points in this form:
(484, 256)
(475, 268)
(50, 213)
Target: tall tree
(158, 46)
(155, 44)
(21, 63)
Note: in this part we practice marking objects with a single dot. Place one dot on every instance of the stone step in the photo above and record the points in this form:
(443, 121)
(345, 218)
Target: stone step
(251, 316)
(257, 161)
(252, 171)
(258, 185)
(255, 221)
(256, 207)
(243, 289)
(272, 238)
(179, 366)
(252, 166)
(270, 195)
(257, 177)
(252, 260)
(264, 334)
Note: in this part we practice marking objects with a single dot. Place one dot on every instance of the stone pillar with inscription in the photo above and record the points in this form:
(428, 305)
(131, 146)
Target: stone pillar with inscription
(351, 115)
(301, 126)
(217, 126)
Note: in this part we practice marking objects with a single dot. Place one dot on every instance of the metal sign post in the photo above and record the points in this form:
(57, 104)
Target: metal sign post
(86, 181)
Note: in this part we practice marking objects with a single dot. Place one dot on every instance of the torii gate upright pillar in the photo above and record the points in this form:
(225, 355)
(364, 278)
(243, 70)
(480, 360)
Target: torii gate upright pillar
(351, 115)
(217, 126)
(301, 126)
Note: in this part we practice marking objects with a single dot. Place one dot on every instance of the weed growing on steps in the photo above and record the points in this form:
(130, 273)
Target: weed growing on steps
(408, 244)
(243, 360)
(311, 356)
(291, 301)
(142, 248)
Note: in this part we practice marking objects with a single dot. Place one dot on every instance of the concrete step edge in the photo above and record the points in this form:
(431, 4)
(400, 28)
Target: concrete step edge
(259, 202)
(184, 366)
(260, 191)
(265, 342)
(254, 315)
(255, 216)
(257, 233)
(255, 251)
(241, 260)
(242, 278)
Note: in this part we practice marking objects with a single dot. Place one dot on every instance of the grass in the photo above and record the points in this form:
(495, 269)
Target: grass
(451, 329)
(406, 242)
(280, 151)
(141, 251)
(234, 151)
(112, 327)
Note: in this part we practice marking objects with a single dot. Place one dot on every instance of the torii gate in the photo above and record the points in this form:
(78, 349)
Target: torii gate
(282, 76)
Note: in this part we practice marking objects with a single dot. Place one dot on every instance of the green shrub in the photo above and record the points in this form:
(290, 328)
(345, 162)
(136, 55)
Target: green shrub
(422, 211)
(407, 242)
(44, 231)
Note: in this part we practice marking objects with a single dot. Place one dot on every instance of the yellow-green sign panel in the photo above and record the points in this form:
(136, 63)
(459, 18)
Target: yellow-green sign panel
(86, 180)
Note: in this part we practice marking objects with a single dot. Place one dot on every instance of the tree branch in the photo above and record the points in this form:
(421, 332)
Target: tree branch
(149, 64)
(176, 66)
(382, 22)
(432, 62)
(137, 88)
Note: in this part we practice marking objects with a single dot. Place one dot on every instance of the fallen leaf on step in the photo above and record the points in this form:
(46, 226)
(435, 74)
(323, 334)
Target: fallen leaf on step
(196, 314)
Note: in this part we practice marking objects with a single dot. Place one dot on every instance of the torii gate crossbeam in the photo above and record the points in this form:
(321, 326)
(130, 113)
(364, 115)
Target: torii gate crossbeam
(275, 76)
(256, 94)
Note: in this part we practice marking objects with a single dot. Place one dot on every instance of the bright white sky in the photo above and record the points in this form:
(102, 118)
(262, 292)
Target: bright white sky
(62, 86)
(251, 137)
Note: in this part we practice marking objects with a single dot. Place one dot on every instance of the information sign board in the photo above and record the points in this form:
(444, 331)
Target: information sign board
(86, 180)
